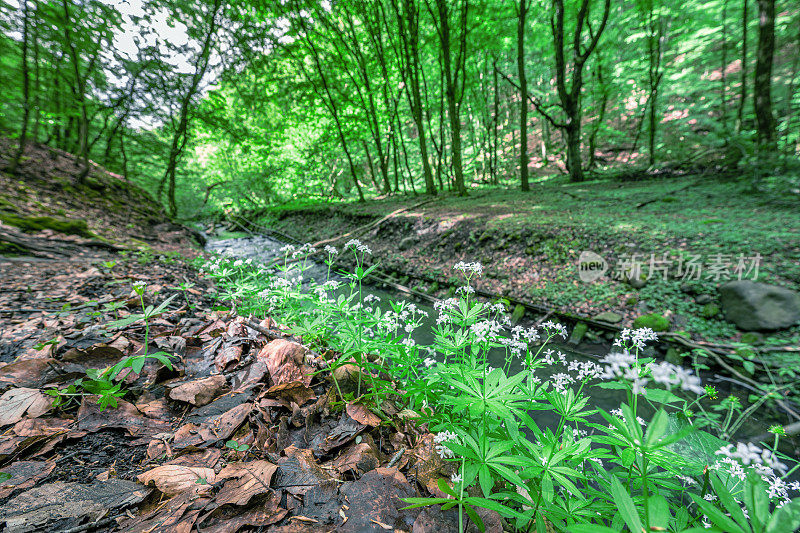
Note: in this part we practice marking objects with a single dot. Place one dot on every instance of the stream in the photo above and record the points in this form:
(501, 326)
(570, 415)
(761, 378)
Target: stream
(266, 250)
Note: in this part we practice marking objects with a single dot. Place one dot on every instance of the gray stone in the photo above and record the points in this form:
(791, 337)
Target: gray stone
(578, 333)
(756, 306)
(406, 243)
(609, 316)
(703, 299)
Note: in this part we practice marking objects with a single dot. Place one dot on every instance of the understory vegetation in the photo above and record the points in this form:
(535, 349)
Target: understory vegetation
(660, 461)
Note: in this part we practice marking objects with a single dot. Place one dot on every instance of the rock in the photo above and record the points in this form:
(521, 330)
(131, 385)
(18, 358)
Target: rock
(406, 243)
(609, 316)
(756, 306)
(688, 288)
(578, 332)
(519, 312)
(710, 310)
(749, 338)
(703, 299)
(636, 283)
(674, 356)
(653, 321)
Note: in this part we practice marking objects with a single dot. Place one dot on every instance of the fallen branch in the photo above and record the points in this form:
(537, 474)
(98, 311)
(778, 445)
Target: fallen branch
(373, 224)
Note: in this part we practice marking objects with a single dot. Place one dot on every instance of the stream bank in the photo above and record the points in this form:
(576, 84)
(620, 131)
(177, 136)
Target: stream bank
(584, 344)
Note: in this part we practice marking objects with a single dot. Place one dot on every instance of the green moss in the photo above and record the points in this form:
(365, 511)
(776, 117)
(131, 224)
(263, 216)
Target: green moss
(710, 310)
(519, 312)
(653, 321)
(11, 249)
(61, 225)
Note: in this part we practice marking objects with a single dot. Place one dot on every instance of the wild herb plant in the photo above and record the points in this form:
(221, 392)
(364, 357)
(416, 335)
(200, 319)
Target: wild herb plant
(586, 469)
(102, 382)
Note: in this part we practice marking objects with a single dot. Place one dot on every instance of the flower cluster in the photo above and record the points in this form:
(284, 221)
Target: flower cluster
(331, 250)
(635, 338)
(485, 330)
(441, 439)
(357, 245)
(553, 328)
(469, 268)
(750, 454)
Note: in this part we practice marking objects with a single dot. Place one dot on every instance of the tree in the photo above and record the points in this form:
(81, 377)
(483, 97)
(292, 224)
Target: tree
(26, 100)
(569, 91)
(181, 126)
(522, 11)
(454, 76)
(765, 121)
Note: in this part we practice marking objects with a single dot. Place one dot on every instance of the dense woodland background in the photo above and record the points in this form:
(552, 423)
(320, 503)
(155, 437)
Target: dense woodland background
(250, 103)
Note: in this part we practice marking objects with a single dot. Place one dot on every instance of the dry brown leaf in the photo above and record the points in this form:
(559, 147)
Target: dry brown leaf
(199, 392)
(15, 403)
(174, 479)
(361, 413)
(284, 360)
(245, 480)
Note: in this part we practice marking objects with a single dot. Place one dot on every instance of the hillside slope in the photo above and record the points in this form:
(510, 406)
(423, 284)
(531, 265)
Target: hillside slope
(42, 201)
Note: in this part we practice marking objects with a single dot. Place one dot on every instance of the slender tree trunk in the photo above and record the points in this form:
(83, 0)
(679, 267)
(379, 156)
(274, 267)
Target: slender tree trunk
(180, 135)
(601, 116)
(453, 73)
(523, 101)
(410, 40)
(765, 121)
(495, 122)
(80, 87)
(570, 96)
(723, 75)
(26, 100)
(743, 88)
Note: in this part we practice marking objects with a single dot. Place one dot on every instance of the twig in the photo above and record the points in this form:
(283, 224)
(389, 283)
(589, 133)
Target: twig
(396, 457)
(373, 224)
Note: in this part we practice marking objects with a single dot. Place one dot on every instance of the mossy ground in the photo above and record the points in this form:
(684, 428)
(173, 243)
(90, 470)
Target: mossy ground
(530, 242)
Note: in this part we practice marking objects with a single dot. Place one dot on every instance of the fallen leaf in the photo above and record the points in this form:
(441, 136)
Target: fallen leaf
(245, 480)
(199, 392)
(361, 414)
(284, 360)
(174, 479)
(15, 403)
(24, 474)
(359, 459)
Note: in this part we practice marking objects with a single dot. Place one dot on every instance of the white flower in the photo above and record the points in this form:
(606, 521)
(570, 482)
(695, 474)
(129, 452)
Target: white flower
(475, 268)
(441, 438)
(456, 479)
(238, 263)
(331, 250)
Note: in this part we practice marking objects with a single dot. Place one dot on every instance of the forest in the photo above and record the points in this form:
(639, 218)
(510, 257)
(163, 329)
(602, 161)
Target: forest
(259, 103)
(297, 266)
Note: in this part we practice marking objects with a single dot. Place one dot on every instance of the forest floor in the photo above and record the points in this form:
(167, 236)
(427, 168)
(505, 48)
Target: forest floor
(239, 432)
(530, 243)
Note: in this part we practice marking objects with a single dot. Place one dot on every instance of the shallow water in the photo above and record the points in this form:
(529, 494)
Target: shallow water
(266, 250)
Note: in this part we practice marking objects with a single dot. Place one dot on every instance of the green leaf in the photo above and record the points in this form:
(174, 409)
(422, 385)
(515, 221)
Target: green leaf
(717, 517)
(625, 505)
(786, 519)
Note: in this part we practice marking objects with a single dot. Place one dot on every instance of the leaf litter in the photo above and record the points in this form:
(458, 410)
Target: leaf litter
(241, 435)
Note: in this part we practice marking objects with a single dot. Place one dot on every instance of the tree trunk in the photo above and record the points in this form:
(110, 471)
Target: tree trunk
(570, 96)
(80, 88)
(452, 86)
(743, 88)
(765, 122)
(26, 104)
(180, 135)
(523, 101)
